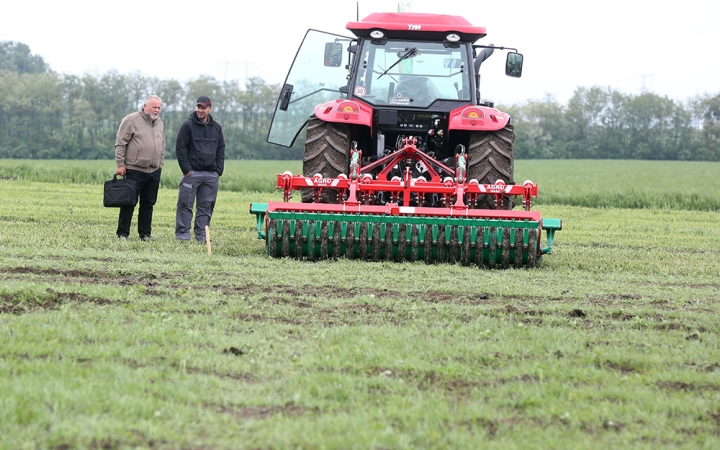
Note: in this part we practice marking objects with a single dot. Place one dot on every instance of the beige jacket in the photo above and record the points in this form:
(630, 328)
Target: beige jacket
(140, 143)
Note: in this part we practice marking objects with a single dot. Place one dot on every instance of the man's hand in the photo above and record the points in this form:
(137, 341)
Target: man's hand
(189, 172)
(120, 171)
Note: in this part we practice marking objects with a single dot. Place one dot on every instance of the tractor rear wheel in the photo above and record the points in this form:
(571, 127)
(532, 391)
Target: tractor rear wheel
(490, 158)
(327, 148)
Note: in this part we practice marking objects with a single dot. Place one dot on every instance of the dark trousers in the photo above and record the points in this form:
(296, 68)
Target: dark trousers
(200, 188)
(147, 186)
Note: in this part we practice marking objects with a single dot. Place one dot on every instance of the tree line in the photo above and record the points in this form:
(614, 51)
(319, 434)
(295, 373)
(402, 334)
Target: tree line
(603, 123)
(47, 115)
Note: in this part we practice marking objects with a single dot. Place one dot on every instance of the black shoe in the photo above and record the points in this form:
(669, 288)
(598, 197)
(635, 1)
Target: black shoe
(122, 236)
(146, 238)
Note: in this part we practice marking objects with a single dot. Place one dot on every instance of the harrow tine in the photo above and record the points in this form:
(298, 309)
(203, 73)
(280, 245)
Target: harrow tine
(388, 255)
(532, 247)
(364, 240)
(518, 248)
(480, 247)
(454, 245)
(376, 242)
(286, 236)
(414, 242)
(336, 239)
(324, 239)
(401, 242)
(299, 239)
(272, 236)
(428, 243)
(465, 249)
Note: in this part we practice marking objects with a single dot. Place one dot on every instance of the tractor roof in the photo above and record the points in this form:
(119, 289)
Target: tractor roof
(416, 26)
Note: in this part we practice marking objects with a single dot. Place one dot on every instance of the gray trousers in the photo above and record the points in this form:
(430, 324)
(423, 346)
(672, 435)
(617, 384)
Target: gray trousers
(200, 188)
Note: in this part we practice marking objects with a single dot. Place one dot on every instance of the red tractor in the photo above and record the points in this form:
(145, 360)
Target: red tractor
(398, 138)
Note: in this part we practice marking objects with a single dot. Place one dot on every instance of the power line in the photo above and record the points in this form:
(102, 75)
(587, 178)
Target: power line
(645, 77)
(227, 64)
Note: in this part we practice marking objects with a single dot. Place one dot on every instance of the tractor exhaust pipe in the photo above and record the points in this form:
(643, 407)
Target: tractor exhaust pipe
(482, 56)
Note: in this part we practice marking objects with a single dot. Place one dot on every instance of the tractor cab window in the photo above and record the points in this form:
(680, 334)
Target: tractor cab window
(411, 73)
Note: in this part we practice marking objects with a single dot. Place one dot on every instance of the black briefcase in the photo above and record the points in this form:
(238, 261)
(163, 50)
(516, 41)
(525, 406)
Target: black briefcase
(120, 192)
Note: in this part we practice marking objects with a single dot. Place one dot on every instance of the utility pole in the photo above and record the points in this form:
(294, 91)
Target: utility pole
(404, 7)
(247, 67)
(227, 64)
(227, 67)
(645, 77)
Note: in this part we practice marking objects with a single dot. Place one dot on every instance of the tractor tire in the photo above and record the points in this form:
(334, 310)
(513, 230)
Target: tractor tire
(327, 152)
(490, 157)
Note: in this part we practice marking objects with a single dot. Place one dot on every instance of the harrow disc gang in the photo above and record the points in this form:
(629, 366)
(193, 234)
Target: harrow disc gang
(490, 243)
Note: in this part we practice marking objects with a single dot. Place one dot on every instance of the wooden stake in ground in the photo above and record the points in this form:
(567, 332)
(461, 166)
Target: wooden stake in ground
(207, 239)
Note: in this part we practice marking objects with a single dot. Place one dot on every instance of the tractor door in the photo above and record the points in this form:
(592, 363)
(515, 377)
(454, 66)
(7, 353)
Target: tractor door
(315, 77)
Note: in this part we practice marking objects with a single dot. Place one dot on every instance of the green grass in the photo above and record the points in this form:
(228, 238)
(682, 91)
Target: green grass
(677, 185)
(611, 343)
(253, 176)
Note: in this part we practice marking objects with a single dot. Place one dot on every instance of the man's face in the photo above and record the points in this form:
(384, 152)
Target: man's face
(152, 107)
(203, 111)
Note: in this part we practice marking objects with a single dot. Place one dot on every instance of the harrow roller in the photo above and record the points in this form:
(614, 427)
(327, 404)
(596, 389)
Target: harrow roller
(491, 243)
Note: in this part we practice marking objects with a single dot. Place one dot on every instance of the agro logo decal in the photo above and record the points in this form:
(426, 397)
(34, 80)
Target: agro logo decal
(400, 99)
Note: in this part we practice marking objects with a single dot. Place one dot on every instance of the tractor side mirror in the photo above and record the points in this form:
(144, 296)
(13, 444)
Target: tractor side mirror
(513, 65)
(333, 54)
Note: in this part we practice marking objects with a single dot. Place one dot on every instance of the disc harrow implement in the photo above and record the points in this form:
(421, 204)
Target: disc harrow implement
(430, 220)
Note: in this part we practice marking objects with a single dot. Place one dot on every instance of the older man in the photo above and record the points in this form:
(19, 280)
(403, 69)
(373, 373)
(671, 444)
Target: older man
(139, 156)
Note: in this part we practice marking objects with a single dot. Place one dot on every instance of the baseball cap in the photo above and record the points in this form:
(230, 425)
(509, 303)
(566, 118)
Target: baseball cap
(204, 101)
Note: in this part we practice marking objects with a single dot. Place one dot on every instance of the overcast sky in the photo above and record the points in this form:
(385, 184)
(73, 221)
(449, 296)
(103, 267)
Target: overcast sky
(669, 48)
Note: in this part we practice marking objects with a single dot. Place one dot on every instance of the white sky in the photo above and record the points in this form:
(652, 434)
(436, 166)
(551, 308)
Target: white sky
(669, 48)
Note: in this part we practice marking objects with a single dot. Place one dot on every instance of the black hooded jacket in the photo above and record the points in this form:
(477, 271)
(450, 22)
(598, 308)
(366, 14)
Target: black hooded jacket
(200, 146)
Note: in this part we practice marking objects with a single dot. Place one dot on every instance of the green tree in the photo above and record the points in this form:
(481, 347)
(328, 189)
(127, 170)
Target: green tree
(540, 129)
(47, 115)
(30, 124)
(709, 108)
(651, 121)
(584, 118)
(16, 57)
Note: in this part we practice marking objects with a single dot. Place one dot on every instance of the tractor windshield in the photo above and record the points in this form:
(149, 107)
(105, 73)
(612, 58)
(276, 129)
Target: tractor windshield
(411, 73)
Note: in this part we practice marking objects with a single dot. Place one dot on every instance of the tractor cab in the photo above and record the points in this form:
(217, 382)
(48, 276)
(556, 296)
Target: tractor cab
(402, 62)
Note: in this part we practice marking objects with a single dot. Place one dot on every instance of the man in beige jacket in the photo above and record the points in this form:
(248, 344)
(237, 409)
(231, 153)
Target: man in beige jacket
(139, 156)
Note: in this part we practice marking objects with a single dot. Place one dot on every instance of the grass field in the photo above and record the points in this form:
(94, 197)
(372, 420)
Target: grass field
(611, 343)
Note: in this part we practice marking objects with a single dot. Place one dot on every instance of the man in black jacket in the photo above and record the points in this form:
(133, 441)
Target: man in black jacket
(200, 150)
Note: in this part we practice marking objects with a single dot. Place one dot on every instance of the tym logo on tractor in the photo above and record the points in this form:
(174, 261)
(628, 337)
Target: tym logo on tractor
(403, 159)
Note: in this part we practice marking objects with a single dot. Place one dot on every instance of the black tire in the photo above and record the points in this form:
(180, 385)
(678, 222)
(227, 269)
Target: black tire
(327, 150)
(490, 157)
